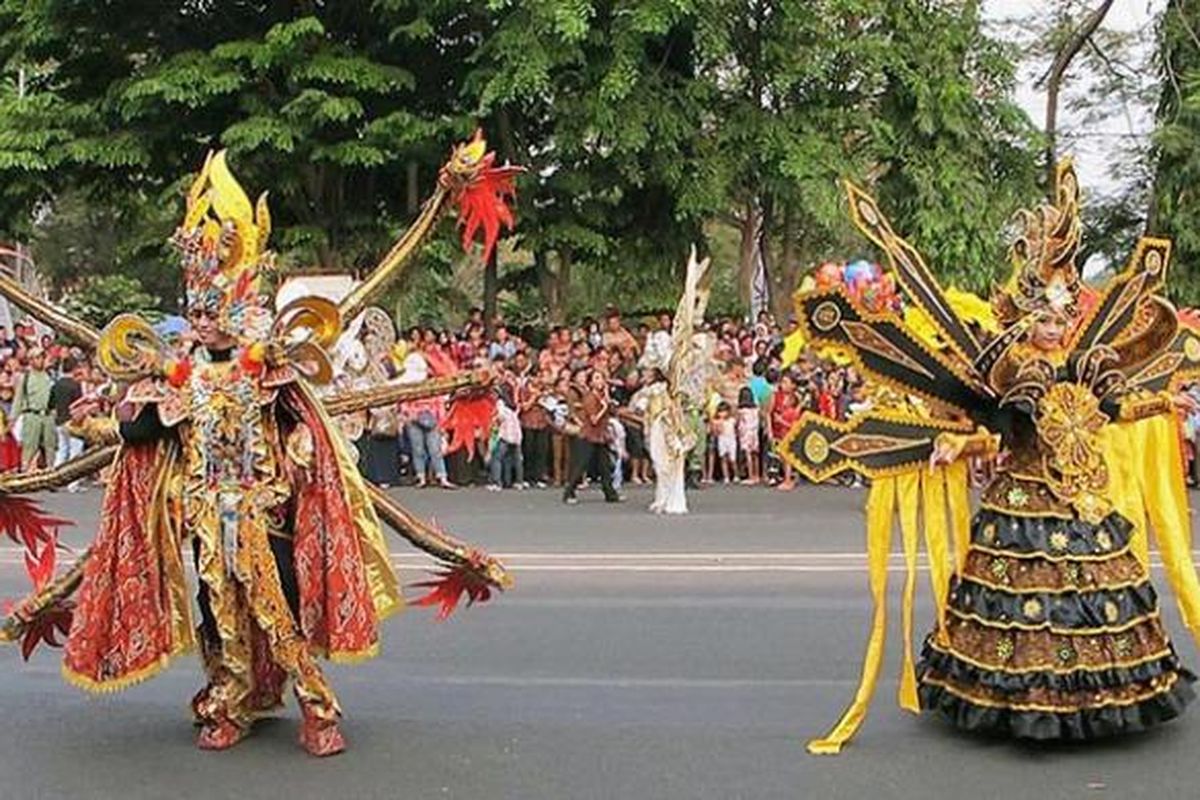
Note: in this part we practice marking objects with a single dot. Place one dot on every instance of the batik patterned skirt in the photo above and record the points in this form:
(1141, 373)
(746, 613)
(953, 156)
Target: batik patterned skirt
(1052, 631)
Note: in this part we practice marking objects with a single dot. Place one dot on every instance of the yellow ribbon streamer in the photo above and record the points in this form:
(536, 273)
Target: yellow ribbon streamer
(957, 483)
(1121, 445)
(909, 498)
(1166, 503)
(918, 495)
(880, 502)
(1147, 487)
(937, 543)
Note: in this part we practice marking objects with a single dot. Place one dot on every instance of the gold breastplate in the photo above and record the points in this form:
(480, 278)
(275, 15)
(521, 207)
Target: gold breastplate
(1069, 421)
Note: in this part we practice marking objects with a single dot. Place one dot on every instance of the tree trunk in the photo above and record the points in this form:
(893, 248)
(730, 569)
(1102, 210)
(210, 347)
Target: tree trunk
(491, 291)
(1054, 79)
(552, 285)
(749, 223)
(563, 284)
(785, 271)
(413, 186)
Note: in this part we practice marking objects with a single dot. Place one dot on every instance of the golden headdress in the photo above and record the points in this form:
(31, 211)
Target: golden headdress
(222, 243)
(1045, 278)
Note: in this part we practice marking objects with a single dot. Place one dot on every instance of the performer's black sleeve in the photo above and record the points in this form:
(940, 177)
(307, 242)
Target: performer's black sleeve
(145, 427)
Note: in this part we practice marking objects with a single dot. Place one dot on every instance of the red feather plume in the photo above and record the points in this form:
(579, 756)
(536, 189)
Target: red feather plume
(449, 587)
(484, 204)
(469, 417)
(23, 521)
(50, 623)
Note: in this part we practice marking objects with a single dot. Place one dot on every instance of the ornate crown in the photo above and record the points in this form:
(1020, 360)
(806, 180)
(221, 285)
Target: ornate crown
(222, 243)
(1045, 278)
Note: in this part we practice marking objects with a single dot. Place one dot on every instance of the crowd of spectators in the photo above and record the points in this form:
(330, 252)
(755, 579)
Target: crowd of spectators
(40, 378)
(569, 406)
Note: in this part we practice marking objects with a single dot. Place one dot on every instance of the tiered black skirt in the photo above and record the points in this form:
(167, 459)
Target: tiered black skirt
(1052, 632)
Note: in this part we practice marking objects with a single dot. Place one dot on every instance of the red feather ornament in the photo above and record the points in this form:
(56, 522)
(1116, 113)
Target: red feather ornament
(449, 587)
(47, 626)
(23, 521)
(484, 204)
(470, 419)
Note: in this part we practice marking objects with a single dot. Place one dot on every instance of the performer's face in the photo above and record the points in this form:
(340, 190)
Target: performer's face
(208, 333)
(1048, 332)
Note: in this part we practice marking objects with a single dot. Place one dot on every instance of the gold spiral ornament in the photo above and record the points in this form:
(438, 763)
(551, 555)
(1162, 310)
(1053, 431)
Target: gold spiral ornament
(316, 315)
(130, 348)
(311, 361)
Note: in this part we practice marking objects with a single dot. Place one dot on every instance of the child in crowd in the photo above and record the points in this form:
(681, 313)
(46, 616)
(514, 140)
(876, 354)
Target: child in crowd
(617, 449)
(748, 434)
(725, 430)
(507, 460)
(556, 404)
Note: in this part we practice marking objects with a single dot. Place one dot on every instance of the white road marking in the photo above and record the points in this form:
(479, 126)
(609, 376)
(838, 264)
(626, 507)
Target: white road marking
(550, 682)
(751, 562)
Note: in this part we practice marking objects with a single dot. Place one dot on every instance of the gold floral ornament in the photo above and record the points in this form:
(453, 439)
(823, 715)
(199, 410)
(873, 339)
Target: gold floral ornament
(1032, 609)
(1059, 541)
(1123, 646)
(1005, 648)
(1068, 423)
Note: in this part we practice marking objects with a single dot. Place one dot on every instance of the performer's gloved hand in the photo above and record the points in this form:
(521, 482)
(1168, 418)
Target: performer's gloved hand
(300, 449)
(949, 447)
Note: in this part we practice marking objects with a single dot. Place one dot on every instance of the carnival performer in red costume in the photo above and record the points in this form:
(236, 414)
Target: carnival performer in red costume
(228, 457)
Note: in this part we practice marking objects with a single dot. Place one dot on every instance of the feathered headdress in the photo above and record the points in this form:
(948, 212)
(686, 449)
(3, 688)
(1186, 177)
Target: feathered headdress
(222, 243)
(1045, 278)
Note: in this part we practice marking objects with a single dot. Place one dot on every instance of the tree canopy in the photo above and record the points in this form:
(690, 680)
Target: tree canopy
(645, 124)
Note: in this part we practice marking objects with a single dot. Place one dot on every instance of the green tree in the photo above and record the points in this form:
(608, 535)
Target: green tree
(98, 299)
(642, 123)
(954, 155)
(803, 94)
(1175, 209)
(312, 100)
(596, 99)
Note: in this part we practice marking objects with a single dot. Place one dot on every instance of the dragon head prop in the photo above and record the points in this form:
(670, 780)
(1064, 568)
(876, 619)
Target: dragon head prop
(475, 579)
(482, 191)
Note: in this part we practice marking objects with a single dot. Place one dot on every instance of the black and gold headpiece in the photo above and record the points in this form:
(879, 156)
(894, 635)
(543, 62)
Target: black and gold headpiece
(1045, 278)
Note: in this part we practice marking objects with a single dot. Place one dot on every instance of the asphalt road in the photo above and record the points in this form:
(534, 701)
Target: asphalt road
(637, 657)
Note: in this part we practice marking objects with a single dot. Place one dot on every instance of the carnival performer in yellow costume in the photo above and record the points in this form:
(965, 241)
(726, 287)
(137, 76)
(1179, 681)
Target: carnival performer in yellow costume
(226, 455)
(1048, 626)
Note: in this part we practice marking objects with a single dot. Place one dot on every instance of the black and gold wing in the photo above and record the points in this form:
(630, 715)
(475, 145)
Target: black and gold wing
(1123, 301)
(1139, 326)
(885, 351)
(874, 444)
(1174, 367)
(913, 275)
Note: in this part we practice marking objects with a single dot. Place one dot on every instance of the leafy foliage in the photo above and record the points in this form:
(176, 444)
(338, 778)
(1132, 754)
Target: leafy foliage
(97, 299)
(646, 124)
(1176, 205)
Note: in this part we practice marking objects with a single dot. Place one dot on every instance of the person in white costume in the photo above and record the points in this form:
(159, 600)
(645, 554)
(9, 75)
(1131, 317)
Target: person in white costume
(680, 381)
